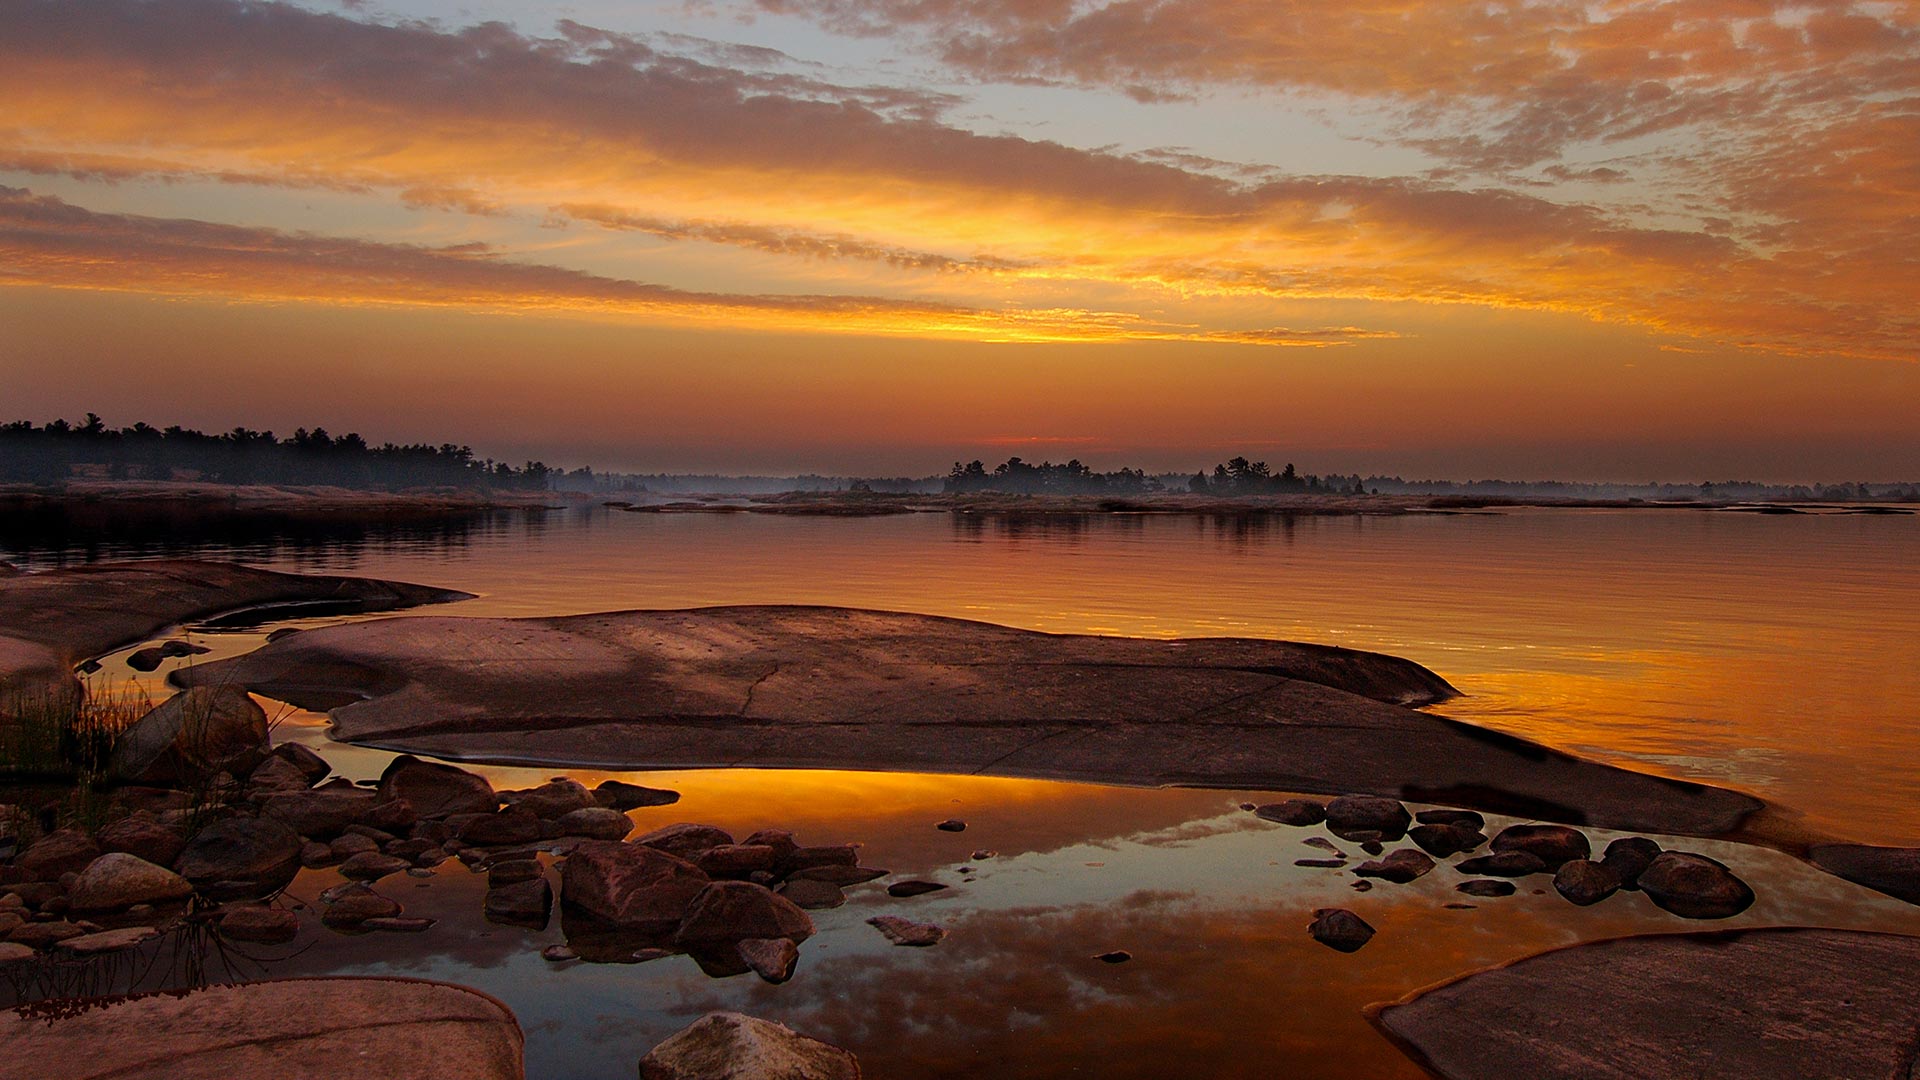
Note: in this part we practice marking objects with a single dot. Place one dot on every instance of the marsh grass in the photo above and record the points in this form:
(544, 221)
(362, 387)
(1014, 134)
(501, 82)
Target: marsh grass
(65, 733)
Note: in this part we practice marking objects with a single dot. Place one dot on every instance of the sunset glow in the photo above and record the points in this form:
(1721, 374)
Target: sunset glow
(1619, 239)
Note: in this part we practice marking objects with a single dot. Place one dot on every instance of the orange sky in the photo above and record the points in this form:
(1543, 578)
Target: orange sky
(1592, 240)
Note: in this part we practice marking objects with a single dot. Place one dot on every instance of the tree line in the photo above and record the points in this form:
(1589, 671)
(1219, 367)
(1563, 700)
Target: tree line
(1015, 476)
(59, 451)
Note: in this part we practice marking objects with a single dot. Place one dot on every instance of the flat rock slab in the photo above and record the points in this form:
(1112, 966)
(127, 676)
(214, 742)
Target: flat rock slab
(821, 687)
(287, 1030)
(1756, 1004)
(53, 620)
(1894, 871)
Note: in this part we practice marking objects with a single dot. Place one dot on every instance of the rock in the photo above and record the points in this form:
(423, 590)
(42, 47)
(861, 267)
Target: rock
(1324, 864)
(1629, 857)
(914, 887)
(37, 894)
(350, 845)
(773, 959)
(1465, 819)
(372, 866)
(809, 858)
(390, 816)
(398, 924)
(511, 825)
(952, 825)
(118, 880)
(356, 904)
(596, 823)
(983, 853)
(628, 885)
(1338, 928)
(11, 921)
(1486, 888)
(1441, 841)
(1553, 844)
(276, 775)
(108, 940)
(1299, 812)
(622, 796)
(558, 954)
(685, 839)
(147, 659)
(277, 1030)
(728, 911)
(907, 932)
(552, 800)
(780, 840)
(1891, 870)
(513, 872)
(44, 935)
(311, 765)
(813, 895)
(1117, 956)
(1325, 845)
(262, 852)
(436, 790)
(315, 855)
(191, 734)
(1350, 816)
(319, 813)
(1400, 867)
(838, 875)
(1503, 864)
(182, 648)
(1372, 847)
(1363, 885)
(256, 923)
(1585, 882)
(730, 1046)
(62, 851)
(1753, 1004)
(12, 953)
(1694, 886)
(522, 903)
(734, 860)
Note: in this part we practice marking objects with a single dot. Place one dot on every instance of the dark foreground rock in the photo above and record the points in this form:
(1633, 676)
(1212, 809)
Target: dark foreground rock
(1367, 817)
(1551, 844)
(1755, 1004)
(261, 852)
(1629, 857)
(1338, 928)
(764, 687)
(1585, 882)
(1400, 867)
(1694, 886)
(731, 1046)
(1296, 812)
(191, 734)
(630, 885)
(297, 1029)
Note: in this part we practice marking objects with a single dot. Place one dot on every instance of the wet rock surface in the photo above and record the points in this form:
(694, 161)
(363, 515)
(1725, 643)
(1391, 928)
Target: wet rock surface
(1585, 882)
(1551, 844)
(1754, 1004)
(731, 1046)
(1340, 929)
(1694, 886)
(1891, 870)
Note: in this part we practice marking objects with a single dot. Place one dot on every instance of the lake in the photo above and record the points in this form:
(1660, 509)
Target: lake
(1777, 654)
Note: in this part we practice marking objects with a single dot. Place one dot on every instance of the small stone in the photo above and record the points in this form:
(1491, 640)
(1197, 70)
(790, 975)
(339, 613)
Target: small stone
(1503, 864)
(1486, 887)
(1400, 867)
(269, 926)
(641, 956)
(1340, 929)
(1372, 847)
(1363, 885)
(1554, 844)
(372, 866)
(1296, 812)
(403, 924)
(982, 855)
(107, 940)
(1629, 857)
(915, 887)
(773, 959)
(622, 796)
(952, 825)
(1350, 815)
(1465, 819)
(907, 932)
(1585, 882)
(720, 1046)
(1325, 845)
(1117, 956)
(1324, 864)
(558, 954)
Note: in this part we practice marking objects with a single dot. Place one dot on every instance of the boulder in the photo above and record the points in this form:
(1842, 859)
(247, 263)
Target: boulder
(390, 816)
(1503, 864)
(257, 923)
(322, 812)
(372, 866)
(513, 871)
(1340, 929)
(1465, 819)
(511, 825)
(780, 840)
(838, 875)
(525, 903)
(735, 860)
(1298, 812)
(116, 881)
(190, 735)
(730, 1046)
(62, 851)
(355, 904)
(1891, 870)
(685, 839)
(812, 895)
(1400, 867)
(913, 887)
(551, 800)
(1585, 882)
(729, 911)
(1351, 817)
(808, 858)
(262, 852)
(628, 885)
(275, 775)
(1629, 857)
(346, 847)
(436, 790)
(311, 765)
(907, 932)
(622, 796)
(773, 959)
(1441, 841)
(1694, 886)
(596, 823)
(1553, 844)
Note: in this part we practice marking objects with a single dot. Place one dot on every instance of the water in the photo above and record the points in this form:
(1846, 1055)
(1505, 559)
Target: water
(1780, 655)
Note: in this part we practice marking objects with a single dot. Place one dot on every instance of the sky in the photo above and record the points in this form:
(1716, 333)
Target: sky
(1600, 240)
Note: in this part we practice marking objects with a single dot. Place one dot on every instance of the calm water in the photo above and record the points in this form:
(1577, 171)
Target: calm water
(1780, 655)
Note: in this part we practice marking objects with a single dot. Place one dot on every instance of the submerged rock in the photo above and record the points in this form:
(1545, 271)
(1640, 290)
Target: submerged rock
(256, 923)
(773, 959)
(1338, 928)
(1694, 886)
(907, 932)
(731, 1046)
